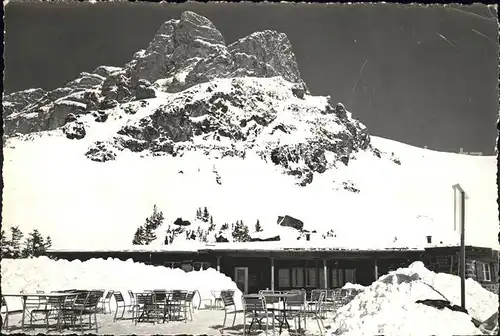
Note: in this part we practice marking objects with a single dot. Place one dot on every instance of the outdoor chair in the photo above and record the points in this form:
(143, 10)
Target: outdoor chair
(177, 306)
(6, 312)
(161, 297)
(315, 311)
(229, 306)
(107, 301)
(120, 304)
(144, 308)
(88, 308)
(295, 306)
(271, 302)
(133, 301)
(189, 303)
(255, 307)
(101, 293)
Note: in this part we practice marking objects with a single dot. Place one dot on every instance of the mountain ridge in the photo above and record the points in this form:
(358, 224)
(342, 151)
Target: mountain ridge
(190, 122)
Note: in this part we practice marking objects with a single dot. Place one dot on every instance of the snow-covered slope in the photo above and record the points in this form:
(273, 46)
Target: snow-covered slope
(242, 136)
(51, 185)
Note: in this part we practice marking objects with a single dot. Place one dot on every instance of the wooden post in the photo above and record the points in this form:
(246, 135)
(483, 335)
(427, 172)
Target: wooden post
(325, 274)
(375, 269)
(272, 273)
(218, 264)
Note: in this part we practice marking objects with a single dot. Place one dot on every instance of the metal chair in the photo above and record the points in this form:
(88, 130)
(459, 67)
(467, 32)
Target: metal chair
(88, 308)
(144, 308)
(107, 300)
(255, 307)
(315, 311)
(120, 303)
(7, 313)
(229, 306)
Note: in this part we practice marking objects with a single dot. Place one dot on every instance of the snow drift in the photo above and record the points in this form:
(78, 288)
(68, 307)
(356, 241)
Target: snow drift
(389, 306)
(46, 274)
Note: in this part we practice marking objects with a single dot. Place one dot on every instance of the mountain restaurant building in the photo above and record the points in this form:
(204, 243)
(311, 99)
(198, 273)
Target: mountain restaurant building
(266, 265)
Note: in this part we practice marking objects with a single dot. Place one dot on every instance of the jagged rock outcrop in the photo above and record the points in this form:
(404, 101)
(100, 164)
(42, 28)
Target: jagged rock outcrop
(191, 51)
(183, 53)
(37, 110)
(188, 91)
(101, 152)
(17, 101)
(74, 130)
(290, 222)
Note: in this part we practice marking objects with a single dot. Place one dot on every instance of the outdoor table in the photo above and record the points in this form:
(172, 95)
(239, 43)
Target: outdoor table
(24, 297)
(282, 297)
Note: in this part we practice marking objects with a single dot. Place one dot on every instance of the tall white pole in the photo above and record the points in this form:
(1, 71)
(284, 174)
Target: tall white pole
(463, 197)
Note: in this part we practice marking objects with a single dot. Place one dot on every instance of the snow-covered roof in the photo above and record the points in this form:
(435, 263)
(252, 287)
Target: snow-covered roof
(299, 246)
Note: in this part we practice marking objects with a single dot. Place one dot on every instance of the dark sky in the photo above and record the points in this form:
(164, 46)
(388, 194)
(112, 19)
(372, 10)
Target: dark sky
(426, 76)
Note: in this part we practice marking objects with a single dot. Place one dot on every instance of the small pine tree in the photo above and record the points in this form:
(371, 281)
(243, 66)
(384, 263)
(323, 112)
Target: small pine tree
(48, 243)
(34, 245)
(240, 232)
(258, 228)
(138, 236)
(5, 246)
(15, 242)
(152, 223)
(224, 227)
(199, 214)
(211, 227)
(206, 215)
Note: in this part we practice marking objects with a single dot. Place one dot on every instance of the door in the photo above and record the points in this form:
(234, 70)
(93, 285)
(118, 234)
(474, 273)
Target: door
(241, 278)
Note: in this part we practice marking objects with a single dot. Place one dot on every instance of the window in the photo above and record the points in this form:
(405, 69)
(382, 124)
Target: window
(321, 278)
(297, 277)
(283, 278)
(335, 278)
(350, 276)
(311, 277)
(484, 271)
(342, 276)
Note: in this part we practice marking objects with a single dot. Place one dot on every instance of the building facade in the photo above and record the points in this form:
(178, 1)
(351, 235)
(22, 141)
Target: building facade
(263, 266)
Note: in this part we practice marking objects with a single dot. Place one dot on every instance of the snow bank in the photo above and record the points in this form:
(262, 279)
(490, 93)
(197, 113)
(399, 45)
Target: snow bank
(354, 286)
(45, 274)
(388, 306)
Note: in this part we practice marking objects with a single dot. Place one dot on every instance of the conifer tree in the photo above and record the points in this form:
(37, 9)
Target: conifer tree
(240, 232)
(5, 245)
(258, 228)
(34, 245)
(206, 215)
(15, 242)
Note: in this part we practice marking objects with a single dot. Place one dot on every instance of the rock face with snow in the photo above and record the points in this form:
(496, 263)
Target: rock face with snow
(245, 96)
(36, 110)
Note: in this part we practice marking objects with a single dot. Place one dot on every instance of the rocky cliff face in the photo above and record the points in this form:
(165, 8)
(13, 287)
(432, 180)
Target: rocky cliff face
(189, 91)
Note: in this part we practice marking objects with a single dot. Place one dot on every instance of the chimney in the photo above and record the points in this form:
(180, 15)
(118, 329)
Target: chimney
(429, 239)
(308, 236)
